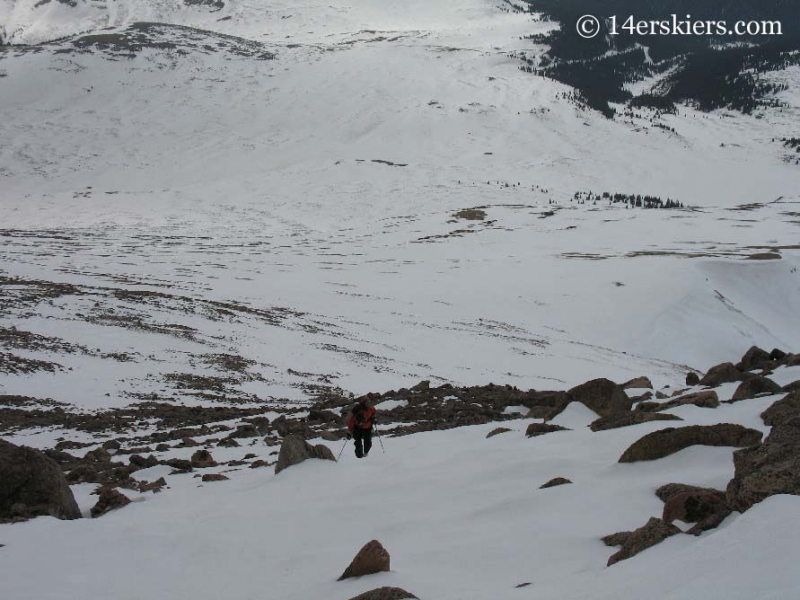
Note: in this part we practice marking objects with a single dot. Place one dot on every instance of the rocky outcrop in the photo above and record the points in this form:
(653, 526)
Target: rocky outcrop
(295, 450)
(110, 499)
(695, 506)
(385, 593)
(707, 399)
(755, 387)
(792, 387)
(667, 491)
(659, 444)
(783, 410)
(602, 396)
(537, 429)
(692, 378)
(723, 373)
(555, 482)
(633, 542)
(372, 558)
(209, 477)
(755, 358)
(766, 470)
(630, 418)
(32, 484)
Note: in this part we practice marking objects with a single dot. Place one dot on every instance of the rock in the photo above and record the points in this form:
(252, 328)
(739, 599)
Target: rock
(497, 431)
(707, 399)
(98, 455)
(295, 450)
(155, 486)
(421, 386)
(783, 410)
(537, 429)
(602, 396)
(667, 491)
(202, 459)
(692, 378)
(543, 405)
(695, 506)
(711, 522)
(140, 462)
(214, 477)
(323, 416)
(245, 430)
(792, 387)
(112, 445)
(642, 398)
(633, 542)
(162, 448)
(755, 358)
(661, 395)
(372, 558)
(793, 360)
(110, 499)
(555, 482)
(332, 436)
(659, 444)
(755, 387)
(228, 443)
(769, 469)
(385, 593)
(178, 464)
(630, 418)
(259, 463)
(777, 354)
(638, 383)
(188, 442)
(723, 373)
(31, 479)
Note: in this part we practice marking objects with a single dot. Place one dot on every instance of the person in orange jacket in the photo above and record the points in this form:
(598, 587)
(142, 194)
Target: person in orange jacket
(359, 425)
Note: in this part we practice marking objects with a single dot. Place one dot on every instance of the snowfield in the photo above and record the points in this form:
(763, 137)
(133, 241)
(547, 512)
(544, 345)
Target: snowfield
(288, 186)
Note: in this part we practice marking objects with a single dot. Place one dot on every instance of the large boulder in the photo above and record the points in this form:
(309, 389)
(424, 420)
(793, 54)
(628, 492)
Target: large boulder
(724, 373)
(706, 399)
(33, 484)
(669, 490)
(783, 410)
(695, 506)
(372, 558)
(385, 593)
(755, 358)
(653, 532)
(630, 418)
(659, 444)
(295, 450)
(755, 387)
(769, 469)
(202, 459)
(602, 396)
(692, 378)
(638, 383)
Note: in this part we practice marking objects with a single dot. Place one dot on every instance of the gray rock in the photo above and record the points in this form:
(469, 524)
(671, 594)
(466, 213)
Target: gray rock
(386, 593)
(755, 387)
(31, 479)
(638, 382)
(372, 558)
(723, 373)
(692, 378)
(537, 429)
(295, 450)
(602, 396)
(633, 542)
(497, 431)
(783, 410)
(110, 499)
(630, 418)
(659, 444)
(555, 482)
(755, 358)
(769, 469)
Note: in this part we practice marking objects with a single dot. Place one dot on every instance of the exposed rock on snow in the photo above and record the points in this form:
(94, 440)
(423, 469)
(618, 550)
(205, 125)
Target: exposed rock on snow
(154, 486)
(707, 399)
(372, 558)
(602, 396)
(555, 482)
(754, 387)
(638, 383)
(295, 450)
(769, 469)
(692, 378)
(756, 358)
(783, 410)
(202, 459)
(179, 464)
(722, 373)
(633, 542)
(537, 429)
(630, 418)
(695, 506)
(497, 431)
(33, 484)
(385, 593)
(214, 477)
(659, 444)
(110, 499)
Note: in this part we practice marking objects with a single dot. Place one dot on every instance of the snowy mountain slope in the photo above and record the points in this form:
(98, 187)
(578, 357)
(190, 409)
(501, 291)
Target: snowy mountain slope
(462, 516)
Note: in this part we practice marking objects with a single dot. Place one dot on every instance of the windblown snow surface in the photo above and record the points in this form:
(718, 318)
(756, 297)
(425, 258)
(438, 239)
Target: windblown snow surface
(285, 182)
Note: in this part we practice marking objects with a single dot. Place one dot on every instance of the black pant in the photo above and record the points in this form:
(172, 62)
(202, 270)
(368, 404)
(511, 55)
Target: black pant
(363, 438)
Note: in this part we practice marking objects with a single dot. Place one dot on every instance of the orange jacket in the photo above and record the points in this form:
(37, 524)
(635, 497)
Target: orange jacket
(361, 418)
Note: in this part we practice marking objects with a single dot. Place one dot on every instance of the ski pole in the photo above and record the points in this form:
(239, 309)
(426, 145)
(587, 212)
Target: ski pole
(342, 450)
(380, 439)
